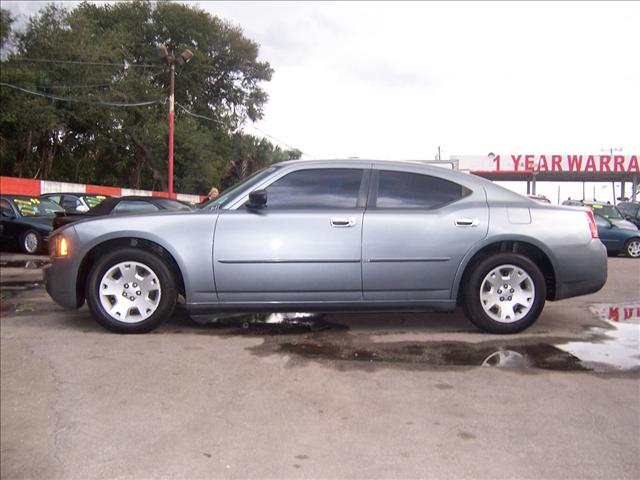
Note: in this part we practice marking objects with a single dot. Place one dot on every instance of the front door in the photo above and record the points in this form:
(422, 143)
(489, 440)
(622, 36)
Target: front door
(304, 246)
(416, 230)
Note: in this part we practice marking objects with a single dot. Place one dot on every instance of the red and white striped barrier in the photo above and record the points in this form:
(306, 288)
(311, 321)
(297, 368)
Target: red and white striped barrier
(26, 186)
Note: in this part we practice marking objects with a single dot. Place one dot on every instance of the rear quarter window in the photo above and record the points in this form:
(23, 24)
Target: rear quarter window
(414, 190)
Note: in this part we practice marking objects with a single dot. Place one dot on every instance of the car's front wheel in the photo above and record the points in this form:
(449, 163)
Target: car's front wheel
(31, 242)
(505, 293)
(632, 248)
(131, 291)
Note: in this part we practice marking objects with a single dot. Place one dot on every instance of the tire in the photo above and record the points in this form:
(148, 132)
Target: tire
(487, 304)
(145, 306)
(632, 248)
(31, 242)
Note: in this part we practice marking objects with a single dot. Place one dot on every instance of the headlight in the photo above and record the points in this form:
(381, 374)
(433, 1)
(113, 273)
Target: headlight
(63, 249)
(59, 247)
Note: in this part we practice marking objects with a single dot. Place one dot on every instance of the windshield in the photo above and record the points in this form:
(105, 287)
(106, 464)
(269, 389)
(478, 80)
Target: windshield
(230, 193)
(607, 211)
(35, 207)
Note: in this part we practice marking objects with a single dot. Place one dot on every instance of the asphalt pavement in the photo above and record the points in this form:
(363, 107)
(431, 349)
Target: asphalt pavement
(337, 396)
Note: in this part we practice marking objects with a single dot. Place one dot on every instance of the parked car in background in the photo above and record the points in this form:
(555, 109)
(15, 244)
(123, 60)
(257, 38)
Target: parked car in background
(631, 212)
(618, 240)
(26, 222)
(334, 235)
(120, 205)
(75, 202)
(605, 210)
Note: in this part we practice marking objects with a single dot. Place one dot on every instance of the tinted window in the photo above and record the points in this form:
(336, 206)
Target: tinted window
(319, 188)
(412, 190)
(629, 209)
(129, 206)
(70, 203)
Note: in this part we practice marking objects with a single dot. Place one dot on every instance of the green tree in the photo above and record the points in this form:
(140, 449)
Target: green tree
(98, 54)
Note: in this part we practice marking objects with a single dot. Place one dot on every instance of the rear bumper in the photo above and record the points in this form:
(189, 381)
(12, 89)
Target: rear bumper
(583, 271)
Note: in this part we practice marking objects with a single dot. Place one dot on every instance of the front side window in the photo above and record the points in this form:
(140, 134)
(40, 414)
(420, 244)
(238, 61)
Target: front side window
(601, 221)
(130, 206)
(316, 188)
(413, 190)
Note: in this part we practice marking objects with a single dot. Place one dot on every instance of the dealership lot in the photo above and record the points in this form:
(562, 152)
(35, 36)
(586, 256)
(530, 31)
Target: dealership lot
(367, 395)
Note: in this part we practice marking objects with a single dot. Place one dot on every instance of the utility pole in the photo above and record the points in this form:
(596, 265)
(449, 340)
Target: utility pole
(610, 151)
(170, 59)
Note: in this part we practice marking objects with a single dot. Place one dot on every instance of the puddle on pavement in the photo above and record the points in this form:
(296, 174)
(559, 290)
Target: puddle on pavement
(619, 347)
(440, 354)
(27, 264)
(265, 324)
(310, 337)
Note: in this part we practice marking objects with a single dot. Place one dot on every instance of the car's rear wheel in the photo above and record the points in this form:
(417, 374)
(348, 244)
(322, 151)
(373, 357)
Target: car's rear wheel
(31, 242)
(131, 291)
(632, 248)
(505, 293)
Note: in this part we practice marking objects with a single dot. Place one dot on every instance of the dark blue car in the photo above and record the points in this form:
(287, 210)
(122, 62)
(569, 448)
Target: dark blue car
(618, 240)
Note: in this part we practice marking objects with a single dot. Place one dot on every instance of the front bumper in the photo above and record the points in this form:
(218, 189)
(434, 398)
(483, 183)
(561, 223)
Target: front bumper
(60, 277)
(60, 282)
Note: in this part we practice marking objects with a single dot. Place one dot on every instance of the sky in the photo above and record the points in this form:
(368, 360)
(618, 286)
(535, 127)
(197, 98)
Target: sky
(397, 80)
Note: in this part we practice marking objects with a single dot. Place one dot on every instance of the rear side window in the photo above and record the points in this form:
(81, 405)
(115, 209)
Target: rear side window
(316, 188)
(413, 190)
(130, 206)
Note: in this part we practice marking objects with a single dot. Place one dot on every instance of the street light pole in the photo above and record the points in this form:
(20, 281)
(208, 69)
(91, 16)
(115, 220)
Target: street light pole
(171, 60)
(172, 81)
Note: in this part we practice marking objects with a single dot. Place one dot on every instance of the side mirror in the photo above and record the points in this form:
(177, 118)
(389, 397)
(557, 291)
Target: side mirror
(7, 214)
(257, 200)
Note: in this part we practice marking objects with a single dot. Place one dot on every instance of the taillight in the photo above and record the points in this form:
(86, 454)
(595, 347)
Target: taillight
(592, 224)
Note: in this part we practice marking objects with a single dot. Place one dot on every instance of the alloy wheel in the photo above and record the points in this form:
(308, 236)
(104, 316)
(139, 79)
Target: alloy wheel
(633, 248)
(31, 242)
(130, 292)
(507, 293)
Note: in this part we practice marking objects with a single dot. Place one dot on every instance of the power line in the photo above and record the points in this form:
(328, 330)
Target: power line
(79, 100)
(204, 117)
(188, 112)
(124, 64)
(277, 140)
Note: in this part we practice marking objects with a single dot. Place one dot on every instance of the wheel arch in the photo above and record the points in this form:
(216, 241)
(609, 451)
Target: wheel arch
(109, 245)
(528, 247)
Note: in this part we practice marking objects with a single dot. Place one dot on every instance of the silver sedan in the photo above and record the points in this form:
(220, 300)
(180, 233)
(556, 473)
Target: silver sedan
(334, 236)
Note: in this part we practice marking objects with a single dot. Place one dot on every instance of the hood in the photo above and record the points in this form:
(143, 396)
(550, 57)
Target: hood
(623, 224)
(44, 223)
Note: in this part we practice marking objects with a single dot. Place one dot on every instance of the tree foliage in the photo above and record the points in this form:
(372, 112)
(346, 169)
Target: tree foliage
(97, 54)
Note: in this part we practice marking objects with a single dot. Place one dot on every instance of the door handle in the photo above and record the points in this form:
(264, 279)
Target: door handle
(343, 222)
(467, 222)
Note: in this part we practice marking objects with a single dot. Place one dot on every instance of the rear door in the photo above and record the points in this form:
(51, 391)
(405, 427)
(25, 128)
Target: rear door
(417, 228)
(304, 246)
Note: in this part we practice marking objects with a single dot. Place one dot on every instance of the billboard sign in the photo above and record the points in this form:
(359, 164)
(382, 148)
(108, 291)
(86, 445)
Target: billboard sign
(567, 163)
